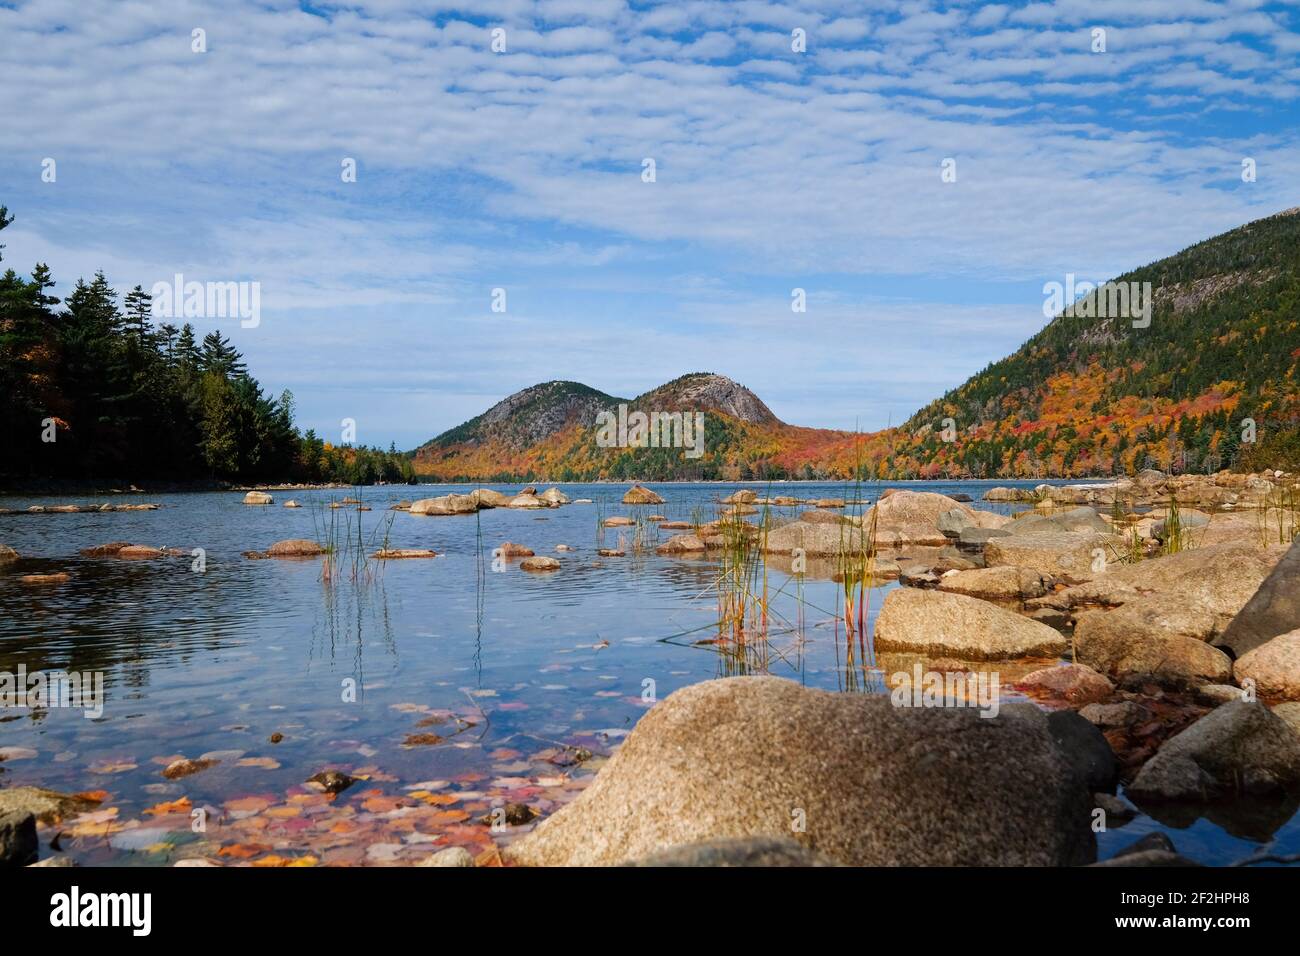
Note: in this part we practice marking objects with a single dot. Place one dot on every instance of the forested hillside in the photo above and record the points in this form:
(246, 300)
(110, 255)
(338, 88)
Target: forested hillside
(95, 388)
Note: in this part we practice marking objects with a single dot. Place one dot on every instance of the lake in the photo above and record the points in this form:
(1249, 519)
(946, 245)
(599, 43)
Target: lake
(447, 685)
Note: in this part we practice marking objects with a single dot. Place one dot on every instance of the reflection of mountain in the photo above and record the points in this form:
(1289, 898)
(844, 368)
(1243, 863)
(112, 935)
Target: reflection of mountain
(1084, 396)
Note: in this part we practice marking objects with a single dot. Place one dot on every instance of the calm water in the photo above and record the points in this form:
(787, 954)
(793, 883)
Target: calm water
(215, 662)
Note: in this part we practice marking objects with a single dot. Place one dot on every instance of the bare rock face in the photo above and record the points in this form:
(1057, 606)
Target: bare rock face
(257, 498)
(704, 392)
(1274, 667)
(874, 784)
(956, 626)
(1240, 747)
(637, 495)
(1274, 609)
(913, 517)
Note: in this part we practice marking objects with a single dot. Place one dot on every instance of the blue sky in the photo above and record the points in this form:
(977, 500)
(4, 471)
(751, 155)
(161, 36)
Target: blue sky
(522, 170)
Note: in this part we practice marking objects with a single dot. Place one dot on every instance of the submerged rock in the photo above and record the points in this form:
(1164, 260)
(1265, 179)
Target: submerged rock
(872, 784)
(396, 554)
(953, 625)
(43, 580)
(1075, 684)
(185, 768)
(512, 550)
(109, 550)
(1274, 667)
(1240, 747)
(332, 781)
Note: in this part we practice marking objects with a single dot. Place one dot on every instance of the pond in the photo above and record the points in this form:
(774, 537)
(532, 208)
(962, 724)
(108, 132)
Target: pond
(447, 686)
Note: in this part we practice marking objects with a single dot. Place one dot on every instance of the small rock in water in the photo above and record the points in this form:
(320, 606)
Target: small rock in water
(539, 564)
(332, 781)
(276, 737)
(512, 550)
(184, 768)
(1118, 810)
(516, 814)
(451, 856)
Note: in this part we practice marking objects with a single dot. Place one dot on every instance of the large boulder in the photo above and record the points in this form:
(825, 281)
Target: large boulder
(554, 496)
(1004, 583)
(1162, 637)
(817, 538)
(1239, 747)
(446, 505)
(1272, 610)
(1274, 667)
(966, 628)
(526, 499)
(637, 495)
(7, 555)
(742, 497)
(870, 784)
(913, 517)
(1069, 554)
(257, 498)
(487, 498)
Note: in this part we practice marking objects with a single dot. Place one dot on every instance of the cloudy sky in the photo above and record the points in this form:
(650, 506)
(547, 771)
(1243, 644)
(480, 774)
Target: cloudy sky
(522, 169)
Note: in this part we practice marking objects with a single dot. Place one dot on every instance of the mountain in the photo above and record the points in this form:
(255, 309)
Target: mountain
(1093, 395)
(550, 431)
(1108, 386)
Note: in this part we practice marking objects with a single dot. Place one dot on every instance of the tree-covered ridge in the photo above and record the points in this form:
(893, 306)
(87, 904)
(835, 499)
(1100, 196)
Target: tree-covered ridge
(96, 389)
(1094, 396)
(1083, 397)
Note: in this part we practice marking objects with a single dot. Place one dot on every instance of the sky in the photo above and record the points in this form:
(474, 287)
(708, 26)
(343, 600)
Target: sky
(523, 168)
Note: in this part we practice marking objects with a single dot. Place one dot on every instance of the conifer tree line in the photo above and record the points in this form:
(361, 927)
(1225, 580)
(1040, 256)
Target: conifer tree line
(94, 389)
